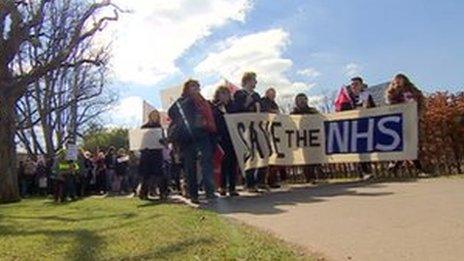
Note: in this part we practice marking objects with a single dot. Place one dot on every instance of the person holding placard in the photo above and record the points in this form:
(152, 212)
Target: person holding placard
(151, 163)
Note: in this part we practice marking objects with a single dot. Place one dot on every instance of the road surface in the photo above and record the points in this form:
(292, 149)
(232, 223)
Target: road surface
(419, 220)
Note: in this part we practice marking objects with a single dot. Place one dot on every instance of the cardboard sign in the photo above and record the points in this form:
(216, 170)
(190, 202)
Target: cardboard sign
(140, 139)
(366, 135)
(72, 152)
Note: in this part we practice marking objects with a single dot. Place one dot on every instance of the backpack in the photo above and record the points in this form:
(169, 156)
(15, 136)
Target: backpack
(180, 131)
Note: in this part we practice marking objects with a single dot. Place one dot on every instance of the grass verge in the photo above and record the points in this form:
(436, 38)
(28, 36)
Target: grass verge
(128, 229)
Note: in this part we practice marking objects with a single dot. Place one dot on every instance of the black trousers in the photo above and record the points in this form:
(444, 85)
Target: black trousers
(254, 177)
(229, 170)
(153, 181)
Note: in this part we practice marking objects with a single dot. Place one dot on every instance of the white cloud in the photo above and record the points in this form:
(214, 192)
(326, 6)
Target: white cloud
(128, 112)
(148, 40)
(311, 73)
(259, 52)
(352, 69)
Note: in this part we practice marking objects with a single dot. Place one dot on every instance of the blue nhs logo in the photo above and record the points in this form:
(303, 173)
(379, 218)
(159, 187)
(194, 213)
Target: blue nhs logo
(364, 135)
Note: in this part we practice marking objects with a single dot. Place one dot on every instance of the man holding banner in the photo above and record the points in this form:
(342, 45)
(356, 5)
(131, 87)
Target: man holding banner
(352, 97)
(247, 100)
(302, 108)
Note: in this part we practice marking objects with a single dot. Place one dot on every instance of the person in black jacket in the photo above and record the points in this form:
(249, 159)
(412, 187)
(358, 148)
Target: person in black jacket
(194, 133)
(151, 163)
(268, 101)
(302, 108)
(110, 164)
(359, 97)
(122, 166)
(222, 105)
(247, 100)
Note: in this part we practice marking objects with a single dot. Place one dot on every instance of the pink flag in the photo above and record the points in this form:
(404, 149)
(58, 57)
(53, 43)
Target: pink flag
(342, 98)
(232, 87)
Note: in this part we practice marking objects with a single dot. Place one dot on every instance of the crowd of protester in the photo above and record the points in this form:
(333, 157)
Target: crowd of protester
(198, 126)
(197, 130)
(99, 173)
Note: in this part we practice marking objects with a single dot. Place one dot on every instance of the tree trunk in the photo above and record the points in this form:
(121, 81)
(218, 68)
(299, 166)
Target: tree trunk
(9, 191)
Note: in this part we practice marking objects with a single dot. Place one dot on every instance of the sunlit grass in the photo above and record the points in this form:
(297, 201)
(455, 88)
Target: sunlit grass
(128, 229)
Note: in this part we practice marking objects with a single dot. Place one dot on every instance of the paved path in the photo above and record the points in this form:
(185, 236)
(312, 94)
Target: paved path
(421, 220)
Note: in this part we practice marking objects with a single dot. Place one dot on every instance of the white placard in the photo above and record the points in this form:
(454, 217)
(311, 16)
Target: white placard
(71, 152)
(140, 139)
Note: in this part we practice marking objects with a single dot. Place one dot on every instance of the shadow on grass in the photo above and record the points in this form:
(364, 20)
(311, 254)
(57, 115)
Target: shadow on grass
(86, 245)
(165, 252)
(70, 219)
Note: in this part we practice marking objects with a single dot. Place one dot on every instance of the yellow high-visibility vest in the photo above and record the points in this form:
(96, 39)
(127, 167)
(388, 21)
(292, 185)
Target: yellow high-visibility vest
(67, 166)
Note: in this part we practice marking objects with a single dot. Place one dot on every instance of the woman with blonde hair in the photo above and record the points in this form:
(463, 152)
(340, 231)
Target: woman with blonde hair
(151, 162)
(222, 105)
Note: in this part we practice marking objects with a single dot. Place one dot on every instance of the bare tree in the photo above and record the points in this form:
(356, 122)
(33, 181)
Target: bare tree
(24, 24)
(58, 107)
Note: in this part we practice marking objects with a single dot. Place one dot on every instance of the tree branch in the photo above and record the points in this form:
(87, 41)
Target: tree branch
(76, 38)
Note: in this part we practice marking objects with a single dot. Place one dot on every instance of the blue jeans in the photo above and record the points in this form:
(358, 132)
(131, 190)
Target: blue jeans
(190, 152)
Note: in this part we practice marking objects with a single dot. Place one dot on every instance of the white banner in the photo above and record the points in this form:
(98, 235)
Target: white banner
(140, 139)
(377, 134)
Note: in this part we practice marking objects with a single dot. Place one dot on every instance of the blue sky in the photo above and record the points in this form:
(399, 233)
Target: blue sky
(294, 45)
